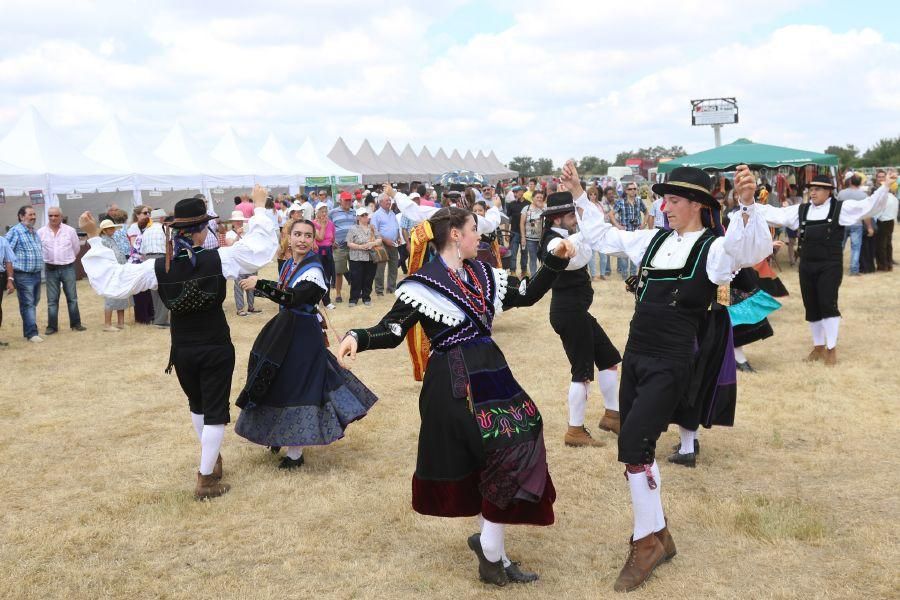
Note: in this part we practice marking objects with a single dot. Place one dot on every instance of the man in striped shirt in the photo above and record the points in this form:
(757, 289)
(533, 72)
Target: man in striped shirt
(60, 247)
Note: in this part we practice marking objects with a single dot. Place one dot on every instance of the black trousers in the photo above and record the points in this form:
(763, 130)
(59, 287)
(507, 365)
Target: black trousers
(362, 274)
(327, 258)
(650, 390)
(884, 246)
(585, 343)
(819, 285)
(204, 373)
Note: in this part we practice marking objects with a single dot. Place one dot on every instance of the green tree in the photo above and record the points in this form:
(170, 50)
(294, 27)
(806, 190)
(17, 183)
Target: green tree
(885, 153)
(523, 165)
(543, 166)
(653, 153)
(847, 155)
(591, 165)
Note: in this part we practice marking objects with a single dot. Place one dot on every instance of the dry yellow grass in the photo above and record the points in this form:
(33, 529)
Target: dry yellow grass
(97, 463)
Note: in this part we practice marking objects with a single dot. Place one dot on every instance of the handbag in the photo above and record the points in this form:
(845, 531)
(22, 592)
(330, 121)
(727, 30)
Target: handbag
(378, 254)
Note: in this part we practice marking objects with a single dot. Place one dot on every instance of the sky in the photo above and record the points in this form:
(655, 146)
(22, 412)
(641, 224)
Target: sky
(545, 79)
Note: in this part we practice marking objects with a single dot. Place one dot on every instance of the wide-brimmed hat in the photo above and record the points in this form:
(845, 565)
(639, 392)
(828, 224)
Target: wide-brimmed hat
(188, 213)
(558, 203)
(107, 224)
(821, 181)
(690, 183)
(237, 215)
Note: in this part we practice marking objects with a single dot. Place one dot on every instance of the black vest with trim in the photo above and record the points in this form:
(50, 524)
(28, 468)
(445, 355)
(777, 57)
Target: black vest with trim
(194, 297)
(671, 304)
(572, 290)
(822, 240)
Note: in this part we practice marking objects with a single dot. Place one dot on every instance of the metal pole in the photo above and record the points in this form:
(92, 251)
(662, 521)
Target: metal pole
(717, 129)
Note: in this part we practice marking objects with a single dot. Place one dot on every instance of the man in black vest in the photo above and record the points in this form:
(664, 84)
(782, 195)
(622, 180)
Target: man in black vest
(192, 284)
(820, 231)
(586, 344)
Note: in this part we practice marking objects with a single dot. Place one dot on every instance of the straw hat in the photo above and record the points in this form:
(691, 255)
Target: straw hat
(107, 224)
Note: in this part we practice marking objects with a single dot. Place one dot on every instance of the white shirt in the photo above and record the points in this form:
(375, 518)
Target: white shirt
(741, 246)
(584, 251)
(307, 209)
(890, 209)
(852, 211)
(416, 213)
(153, 240)
(112, 280)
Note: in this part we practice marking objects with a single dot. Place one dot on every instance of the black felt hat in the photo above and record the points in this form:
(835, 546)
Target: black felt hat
(821, 181)
(690, 183)
(558, 203)
(188, 213)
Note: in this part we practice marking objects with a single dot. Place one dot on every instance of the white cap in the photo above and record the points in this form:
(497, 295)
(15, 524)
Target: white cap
(157, 213)
(848, 175)
(320, 205)
(361, 211)
(293, 208)
(413, 196)
(237, 215)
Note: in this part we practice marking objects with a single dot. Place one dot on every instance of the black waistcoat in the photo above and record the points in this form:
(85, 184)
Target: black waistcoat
(194, 296)
(572, 290)
(671, 304)
(822, 240)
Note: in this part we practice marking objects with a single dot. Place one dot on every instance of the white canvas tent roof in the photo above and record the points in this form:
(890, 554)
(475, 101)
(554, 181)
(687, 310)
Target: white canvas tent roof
(396, 166)
(322, 166)
(180, 149)
(443, 161)
(499, 166)
(409, 157)
(428, 161)
(232, 152)
(342, 155)
(470, 162)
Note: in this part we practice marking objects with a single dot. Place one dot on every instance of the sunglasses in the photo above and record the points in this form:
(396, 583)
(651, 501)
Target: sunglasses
(146, 212)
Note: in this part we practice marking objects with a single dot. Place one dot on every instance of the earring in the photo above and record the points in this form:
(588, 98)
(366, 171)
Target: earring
(458, 253)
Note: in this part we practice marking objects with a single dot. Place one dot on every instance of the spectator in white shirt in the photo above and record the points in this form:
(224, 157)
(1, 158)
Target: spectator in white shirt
(234, 234)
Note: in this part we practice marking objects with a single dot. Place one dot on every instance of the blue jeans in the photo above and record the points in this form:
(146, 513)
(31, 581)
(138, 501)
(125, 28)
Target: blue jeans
(592, 264)
(28, 289)
(605, 269)
(854, 233)
(515, 247)
(61, 277)
(625, 267)
(531, 249)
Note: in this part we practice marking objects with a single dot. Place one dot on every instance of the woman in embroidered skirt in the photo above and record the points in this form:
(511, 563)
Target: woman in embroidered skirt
(481, 445)
(296, 393)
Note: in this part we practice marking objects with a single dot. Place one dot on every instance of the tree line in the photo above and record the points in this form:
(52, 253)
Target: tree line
(591, 165)
(883, 154)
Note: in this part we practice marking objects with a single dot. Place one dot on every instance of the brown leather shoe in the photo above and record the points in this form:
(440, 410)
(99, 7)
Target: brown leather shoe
(217, 470)
(830, 357)
(209, 487)
(610, 421)
(643, 556)
(580, 437)
(668, 544)
(818, 353)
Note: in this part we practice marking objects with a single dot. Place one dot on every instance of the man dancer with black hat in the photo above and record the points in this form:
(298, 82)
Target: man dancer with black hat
(191, 283)
(663, 378)
(584, 341)
(820, 233)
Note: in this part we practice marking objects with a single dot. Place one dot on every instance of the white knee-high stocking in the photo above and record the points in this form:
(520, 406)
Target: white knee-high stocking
(831, 326)
(687, 440)
(608, 379)
(578, 392)
(818, 332)
(739, 355)
(294, 452)
(492, 544)
(197, 420)
(210, 443)
(646, 503)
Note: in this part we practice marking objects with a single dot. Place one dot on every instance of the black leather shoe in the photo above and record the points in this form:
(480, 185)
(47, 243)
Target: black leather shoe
(488, 572)
(745, 367)
(290, 463)
(79, 328)
(49, 331)
(517, 575)
(685, 460)
(677, 447)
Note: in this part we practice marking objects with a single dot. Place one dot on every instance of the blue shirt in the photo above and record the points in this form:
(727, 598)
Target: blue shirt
(385, 223)
(343, 220)
(6, 254)
(629, 215)
(26, 247)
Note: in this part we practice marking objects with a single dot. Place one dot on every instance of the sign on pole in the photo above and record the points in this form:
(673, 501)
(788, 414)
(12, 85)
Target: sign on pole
(714, 111)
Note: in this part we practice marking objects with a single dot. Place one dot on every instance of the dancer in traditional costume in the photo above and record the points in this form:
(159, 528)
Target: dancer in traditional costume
(586, 344)
(296, 393)
(749, 307)
(678, 367)
(481, 444)
(192, 284)
(820, 225)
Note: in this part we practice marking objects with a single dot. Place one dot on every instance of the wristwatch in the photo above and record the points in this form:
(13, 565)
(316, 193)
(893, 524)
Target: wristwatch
(352, 334)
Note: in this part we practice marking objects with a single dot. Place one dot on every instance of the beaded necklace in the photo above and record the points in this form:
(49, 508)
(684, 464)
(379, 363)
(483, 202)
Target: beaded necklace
(475, 301)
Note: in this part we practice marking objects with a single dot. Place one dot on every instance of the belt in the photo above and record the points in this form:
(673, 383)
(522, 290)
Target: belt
(57, 267)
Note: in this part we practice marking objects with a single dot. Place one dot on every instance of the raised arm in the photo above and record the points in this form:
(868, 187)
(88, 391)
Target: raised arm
(309, 289)
(854, 211)
(415, 213)
(388, 333)
(105, 274)
(258, 245)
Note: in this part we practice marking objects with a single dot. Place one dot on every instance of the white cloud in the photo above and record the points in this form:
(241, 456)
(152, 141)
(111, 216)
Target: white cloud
(565, 79)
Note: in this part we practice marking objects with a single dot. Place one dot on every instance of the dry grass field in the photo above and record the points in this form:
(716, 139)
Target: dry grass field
(98, 461)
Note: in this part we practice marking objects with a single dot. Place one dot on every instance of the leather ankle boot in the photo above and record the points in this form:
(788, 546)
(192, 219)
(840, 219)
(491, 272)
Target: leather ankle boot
(643, 556)
(217, 470)
(209, 487)
(818, 353)
(580, 437)
(610, 421)
(668, 544)
(830, 357)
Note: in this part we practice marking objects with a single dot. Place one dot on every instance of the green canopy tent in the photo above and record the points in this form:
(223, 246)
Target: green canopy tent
(745, 152)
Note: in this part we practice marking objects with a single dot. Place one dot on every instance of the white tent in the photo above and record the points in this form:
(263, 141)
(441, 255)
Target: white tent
(427, 160)
(499, 167)
(181, 150)
(342, 155)
(391, 161)
(324, 166)
(409, 157)
(232, 152)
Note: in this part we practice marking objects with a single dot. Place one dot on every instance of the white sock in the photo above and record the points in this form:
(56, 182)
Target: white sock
(818, 332)
(492, 540)
(831, 326)
(578, 392)
(197, 420)
(294, 452)
(660, 517)
(739, 354)
(687, 440)
(644, 503)
(210, 443)
(608, 379)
